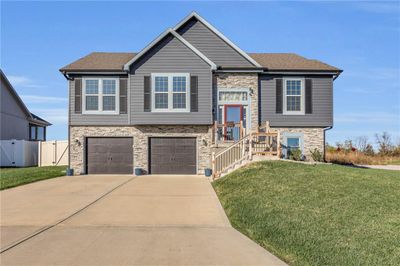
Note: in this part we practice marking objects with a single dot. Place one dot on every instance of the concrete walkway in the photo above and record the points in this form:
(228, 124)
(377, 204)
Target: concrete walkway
(121, 220)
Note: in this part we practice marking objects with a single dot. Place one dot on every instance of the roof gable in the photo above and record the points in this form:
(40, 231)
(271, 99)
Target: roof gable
(213, 43)
(160, 38)
(30, 117)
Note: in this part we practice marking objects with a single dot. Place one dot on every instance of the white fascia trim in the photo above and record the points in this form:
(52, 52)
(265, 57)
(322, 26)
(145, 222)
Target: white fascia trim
(176, 35)
(212, 28)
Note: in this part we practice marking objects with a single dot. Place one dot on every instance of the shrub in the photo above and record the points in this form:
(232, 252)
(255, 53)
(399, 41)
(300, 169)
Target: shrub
(316, 155)
(296, 155)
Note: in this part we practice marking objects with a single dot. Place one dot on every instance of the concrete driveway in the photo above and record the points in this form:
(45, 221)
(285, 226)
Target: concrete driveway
(121, 220)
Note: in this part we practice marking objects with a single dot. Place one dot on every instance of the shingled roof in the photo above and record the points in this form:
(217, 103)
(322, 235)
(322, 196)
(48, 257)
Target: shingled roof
(290, 61)
(99, 61)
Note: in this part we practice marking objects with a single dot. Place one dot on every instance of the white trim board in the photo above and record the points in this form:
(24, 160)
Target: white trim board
(219, 34)
(180, 38)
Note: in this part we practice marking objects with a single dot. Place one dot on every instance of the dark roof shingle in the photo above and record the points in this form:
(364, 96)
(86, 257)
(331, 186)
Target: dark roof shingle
(98, 61)
(290, 61)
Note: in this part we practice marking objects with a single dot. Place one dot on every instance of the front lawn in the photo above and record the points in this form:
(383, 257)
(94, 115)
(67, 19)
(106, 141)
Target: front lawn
(316, 215)
(12, 177)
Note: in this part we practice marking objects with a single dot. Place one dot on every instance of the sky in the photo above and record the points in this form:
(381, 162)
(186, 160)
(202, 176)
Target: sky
(360, 37)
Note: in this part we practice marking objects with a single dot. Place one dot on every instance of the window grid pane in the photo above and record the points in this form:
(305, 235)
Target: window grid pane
(161, 84)
(109, 86)
(179, 100)
(92, 86)
(179, 84)
(293, 103)
(161, 101)
(293, 87)
(108, 103)
(92, 103)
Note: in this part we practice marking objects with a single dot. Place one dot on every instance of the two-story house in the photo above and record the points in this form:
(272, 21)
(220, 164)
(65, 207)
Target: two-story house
(187, 94)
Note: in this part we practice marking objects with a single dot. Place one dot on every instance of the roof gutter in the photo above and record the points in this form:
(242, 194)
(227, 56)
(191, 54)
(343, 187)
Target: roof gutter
(326, 129)
(65, 74)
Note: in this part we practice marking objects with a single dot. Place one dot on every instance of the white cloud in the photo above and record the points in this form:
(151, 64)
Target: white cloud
(43, 99)
(22, 81)
(53, 115)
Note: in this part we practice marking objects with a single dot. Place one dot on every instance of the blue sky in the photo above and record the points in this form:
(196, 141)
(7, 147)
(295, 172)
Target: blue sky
(363, 38)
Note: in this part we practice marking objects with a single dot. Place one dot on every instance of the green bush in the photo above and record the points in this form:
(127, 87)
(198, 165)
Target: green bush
(296, 155)
(316, 155)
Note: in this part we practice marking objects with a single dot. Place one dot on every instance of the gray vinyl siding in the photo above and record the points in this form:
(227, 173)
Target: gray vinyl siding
(322, 109)
(212, 46)
(170, 56)
(85, 119)
(14, 123)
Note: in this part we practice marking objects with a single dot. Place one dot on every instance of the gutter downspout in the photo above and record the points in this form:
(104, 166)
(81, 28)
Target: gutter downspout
(326, 129)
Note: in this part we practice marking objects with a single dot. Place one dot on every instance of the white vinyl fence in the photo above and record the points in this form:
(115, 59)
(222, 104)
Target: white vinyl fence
(53, 152)
(18, 153)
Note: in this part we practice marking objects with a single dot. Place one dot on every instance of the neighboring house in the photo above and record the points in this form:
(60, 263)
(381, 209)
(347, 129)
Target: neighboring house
(161, 109)
(16, 120)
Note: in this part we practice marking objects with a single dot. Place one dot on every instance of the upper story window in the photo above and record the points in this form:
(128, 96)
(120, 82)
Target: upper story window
(293, 96)
(100, 96)
(170, 92)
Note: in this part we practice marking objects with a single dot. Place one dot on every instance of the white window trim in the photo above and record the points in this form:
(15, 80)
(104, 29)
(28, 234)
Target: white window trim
(287, 135)
(170, 92)
(100, 95)
(302, 100)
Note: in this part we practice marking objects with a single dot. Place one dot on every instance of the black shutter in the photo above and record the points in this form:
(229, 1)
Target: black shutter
(279, 96)
(147, 94)
(78, 96)
(308, 88)
(194, 105)
(123, 95)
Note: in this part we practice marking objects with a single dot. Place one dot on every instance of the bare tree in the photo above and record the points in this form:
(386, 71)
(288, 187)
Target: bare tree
(361, 143)
(384, 142)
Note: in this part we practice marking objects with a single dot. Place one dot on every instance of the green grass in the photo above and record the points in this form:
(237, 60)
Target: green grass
(316, 215)
(12, 177)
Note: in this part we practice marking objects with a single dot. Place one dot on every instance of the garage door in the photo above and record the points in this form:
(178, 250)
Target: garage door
(172, 155)
(109, 155)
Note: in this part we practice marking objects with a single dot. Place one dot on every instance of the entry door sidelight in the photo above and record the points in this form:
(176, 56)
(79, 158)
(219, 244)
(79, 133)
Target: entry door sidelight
(233, 116)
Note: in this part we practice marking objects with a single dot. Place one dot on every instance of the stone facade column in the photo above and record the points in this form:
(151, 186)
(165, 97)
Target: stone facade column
(242, 81)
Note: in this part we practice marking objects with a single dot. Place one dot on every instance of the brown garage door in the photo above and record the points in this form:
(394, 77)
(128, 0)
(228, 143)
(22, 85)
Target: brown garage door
(109, 155)
(172, 155)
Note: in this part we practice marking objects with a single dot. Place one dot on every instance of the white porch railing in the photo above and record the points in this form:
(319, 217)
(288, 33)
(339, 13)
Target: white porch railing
(232, 155)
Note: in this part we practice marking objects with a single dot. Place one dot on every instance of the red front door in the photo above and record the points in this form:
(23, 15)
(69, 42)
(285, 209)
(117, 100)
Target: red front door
(233, 115)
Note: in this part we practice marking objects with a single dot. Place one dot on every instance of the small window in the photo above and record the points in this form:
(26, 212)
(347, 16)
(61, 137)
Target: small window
(37, 133)
(170, 92)
(33, 133)
(232, 96)
(293, 144)
(100, 95)
(294, 96)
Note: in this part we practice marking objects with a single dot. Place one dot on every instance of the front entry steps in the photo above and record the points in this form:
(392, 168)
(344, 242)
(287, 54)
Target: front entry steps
(264, 144)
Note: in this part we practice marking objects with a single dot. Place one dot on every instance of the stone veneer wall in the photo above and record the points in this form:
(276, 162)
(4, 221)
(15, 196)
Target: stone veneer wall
(312, 138)
(242, 81)
(140, 136)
